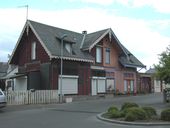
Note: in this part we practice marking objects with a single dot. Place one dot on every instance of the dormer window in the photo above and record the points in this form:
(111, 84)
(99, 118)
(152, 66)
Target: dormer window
(33, 51)
(68, 47)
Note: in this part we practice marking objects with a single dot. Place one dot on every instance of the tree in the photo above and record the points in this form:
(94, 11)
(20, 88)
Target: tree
(163, 68)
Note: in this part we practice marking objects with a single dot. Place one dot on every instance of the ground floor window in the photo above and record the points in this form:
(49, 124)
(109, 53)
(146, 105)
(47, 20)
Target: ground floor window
(110, 85)
(10, 84)
(128, 86)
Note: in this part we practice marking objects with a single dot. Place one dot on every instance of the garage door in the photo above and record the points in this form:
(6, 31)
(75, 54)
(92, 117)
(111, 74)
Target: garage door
(69, 84)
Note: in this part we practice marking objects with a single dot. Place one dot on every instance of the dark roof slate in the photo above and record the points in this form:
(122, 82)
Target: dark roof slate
(151, 71)
(51, 38)
(129, 60)
(92, 37)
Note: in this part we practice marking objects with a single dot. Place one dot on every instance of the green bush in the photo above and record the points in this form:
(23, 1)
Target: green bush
(128, 105)
(135, 113)
(165, 115)
(113, 112)
(113, 108)
(150, 111)
(130, 117)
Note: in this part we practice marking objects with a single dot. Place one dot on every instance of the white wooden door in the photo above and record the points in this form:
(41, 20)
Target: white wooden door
(94, 87)
(101, 86)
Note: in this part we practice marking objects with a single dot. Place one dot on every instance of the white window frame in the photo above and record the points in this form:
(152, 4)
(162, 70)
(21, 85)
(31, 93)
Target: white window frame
(33, 50)
(131, 85)
(68, 47)
(98, 54)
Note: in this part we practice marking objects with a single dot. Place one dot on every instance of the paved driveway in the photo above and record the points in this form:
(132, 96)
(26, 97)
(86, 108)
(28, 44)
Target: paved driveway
(80, 114)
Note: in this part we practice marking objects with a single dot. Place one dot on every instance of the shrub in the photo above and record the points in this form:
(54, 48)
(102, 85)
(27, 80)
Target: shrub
(135, 113)
(128, 105)
(113, 108)
(130, 117)
(165, 115)
(113, 112)
(150, 111)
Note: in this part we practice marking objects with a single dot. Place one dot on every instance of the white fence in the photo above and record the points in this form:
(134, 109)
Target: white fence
(32, 97)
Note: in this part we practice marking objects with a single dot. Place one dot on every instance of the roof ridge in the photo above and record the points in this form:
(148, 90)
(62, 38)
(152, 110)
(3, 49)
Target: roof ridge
(98, 31)
(54, 27)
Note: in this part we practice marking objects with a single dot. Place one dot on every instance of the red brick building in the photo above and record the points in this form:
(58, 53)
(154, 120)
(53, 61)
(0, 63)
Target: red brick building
(92, 63)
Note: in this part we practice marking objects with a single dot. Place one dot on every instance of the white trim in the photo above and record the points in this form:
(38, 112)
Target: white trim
(100, 78)
(97, 67)
(41, 42)
(19, 39)
(28, 24)
(69, 76)
(74, 59)
(101, 37)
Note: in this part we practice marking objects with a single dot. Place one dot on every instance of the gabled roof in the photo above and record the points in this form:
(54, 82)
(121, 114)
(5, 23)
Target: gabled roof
(129, 60)
(50, 39)
(151, 71)
(93, 38)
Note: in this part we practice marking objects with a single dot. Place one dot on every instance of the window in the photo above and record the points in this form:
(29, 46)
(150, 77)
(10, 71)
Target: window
(68, 47)
(98, 54)
(107, 61)
(128, 86)
(33, 51)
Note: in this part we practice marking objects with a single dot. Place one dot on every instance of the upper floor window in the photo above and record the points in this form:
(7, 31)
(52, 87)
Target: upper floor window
(98, 54)
(33, 51)
(107, 60)
(68, 47)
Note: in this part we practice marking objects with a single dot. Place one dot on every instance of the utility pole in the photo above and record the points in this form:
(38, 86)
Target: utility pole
(25, 6)
(61, 68)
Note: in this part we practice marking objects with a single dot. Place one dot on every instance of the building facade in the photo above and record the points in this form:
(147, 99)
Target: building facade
(93, 63)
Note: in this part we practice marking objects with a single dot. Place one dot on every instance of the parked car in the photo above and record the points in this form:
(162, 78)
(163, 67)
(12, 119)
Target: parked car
(2, 99)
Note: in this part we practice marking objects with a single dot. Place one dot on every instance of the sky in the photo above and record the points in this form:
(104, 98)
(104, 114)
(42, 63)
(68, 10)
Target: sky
(142, 26)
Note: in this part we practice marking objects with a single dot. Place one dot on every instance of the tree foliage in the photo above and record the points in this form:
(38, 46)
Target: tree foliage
(163, 68)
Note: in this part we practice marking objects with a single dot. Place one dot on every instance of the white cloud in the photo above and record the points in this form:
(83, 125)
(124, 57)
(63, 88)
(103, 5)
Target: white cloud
(100, 2)
(158, 5)
(137, 35)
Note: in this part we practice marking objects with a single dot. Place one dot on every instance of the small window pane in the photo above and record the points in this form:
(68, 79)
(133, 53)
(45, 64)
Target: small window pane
(33, 51)
(98, 54)
(107, 56)
(131, 85)
(68, 47)
(125, 86)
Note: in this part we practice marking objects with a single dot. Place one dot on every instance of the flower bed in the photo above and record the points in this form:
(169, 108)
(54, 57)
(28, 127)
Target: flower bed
(133, 112)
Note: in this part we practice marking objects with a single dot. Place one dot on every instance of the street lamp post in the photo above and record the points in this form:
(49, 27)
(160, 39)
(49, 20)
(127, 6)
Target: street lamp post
(61, 67)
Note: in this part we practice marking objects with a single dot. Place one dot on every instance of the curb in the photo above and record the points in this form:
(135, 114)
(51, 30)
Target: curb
(99, 116)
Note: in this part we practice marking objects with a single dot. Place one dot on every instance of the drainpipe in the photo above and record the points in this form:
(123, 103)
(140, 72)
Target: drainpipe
(61, 68)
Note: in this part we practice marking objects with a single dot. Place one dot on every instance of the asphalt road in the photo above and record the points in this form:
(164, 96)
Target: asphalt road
(81, 114)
